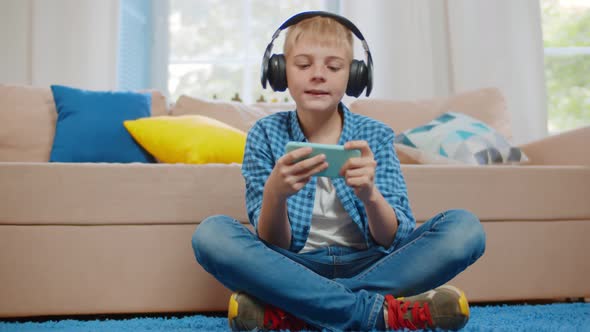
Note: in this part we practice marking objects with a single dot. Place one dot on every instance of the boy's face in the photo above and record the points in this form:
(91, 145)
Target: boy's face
(317, 75)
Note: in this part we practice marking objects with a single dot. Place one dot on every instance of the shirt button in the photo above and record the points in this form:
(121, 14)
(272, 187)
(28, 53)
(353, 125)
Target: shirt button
(309, 195)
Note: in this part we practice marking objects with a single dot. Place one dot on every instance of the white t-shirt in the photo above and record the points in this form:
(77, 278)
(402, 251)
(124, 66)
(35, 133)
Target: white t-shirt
(330, 223)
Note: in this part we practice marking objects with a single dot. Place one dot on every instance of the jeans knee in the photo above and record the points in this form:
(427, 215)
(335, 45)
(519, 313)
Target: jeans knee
(468, 233)
(206, 237)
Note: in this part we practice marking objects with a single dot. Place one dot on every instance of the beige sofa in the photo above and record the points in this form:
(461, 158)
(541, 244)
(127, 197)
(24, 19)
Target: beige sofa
(115, 238)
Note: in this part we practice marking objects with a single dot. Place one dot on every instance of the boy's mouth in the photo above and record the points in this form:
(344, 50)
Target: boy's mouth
(315, 92)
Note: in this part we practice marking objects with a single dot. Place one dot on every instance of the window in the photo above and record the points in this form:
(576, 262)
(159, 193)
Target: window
(566, 38)
(216, 46)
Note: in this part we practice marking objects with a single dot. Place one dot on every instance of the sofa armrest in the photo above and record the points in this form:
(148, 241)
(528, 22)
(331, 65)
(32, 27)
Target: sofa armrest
(567, 148)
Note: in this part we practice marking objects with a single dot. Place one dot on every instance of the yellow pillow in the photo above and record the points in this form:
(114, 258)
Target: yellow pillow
(189, 139)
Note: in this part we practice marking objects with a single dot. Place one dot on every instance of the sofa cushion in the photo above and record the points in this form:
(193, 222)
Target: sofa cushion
(28, 117)
(189, 139)
(58, 193)
(27, 123)
(486, 105)
(239, 115)
(90, 125)
(159, 105)
(460, 137)
(117, 193)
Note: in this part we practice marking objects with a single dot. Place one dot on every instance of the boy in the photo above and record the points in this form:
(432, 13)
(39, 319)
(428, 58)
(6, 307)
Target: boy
(334, 254)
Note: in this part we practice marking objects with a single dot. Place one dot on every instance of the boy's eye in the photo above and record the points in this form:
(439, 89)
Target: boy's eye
(302, 66)
(334, 68)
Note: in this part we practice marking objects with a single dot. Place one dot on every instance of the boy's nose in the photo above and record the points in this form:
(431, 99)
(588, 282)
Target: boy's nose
(319, 73)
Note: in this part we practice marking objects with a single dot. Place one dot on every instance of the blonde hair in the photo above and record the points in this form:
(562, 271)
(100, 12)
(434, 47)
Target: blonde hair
(324, 30)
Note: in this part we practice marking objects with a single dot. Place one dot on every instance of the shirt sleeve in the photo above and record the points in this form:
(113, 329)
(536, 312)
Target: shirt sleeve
(390, 182)
(256, 167)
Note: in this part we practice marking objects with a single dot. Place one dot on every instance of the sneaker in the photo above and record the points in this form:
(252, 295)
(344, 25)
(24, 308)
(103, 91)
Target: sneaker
(245, 313)
(444, 307)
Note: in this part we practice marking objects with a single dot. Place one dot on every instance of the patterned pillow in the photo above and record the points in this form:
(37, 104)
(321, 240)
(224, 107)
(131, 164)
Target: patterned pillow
(460, 137)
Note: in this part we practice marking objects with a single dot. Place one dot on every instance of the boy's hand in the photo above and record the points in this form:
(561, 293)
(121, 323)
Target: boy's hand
(359, 173)
(289, 176)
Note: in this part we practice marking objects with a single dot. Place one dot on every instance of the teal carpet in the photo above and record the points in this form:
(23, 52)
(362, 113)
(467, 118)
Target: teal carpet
(546, 317)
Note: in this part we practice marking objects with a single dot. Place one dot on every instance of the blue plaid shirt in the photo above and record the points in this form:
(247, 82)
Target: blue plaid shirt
(266, 144)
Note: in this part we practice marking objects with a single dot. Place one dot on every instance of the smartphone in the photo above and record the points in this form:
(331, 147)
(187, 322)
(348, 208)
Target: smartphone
(336, 155)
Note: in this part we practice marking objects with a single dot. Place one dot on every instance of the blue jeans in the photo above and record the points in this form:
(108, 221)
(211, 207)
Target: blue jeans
(338, 288)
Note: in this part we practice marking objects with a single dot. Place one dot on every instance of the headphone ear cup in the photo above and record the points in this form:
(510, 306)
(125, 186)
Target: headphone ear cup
(277, 73)
(357, 79)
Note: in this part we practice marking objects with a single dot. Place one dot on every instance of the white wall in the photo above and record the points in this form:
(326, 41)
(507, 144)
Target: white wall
(71, 42)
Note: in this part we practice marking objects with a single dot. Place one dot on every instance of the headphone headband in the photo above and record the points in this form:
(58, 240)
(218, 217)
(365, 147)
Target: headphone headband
(305, 15)
(340, 19)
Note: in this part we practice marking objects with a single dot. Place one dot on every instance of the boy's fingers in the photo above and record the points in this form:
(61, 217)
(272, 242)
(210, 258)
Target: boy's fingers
(307, 164)
(356, 163)
(358, 172)
(361, 145)
(318, 168)
(295, 155)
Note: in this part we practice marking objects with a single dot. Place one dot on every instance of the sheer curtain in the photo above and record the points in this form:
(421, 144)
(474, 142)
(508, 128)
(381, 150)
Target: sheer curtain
(425, 49)
(75, 43)
(60, 42)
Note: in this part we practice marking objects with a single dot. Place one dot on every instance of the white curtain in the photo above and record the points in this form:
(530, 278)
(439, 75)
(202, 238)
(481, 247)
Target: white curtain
(67, 42)
(424, 48)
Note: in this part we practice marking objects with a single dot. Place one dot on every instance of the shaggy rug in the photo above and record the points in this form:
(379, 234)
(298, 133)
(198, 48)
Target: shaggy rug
(545, 317)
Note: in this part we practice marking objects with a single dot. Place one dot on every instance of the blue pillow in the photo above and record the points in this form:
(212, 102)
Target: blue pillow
(90, 126)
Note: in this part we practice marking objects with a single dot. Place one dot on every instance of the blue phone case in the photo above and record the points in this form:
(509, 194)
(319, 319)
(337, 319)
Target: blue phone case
(336, 155)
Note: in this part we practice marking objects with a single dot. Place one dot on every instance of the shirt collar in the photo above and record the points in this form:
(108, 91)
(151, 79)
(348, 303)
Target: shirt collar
(298, 136)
